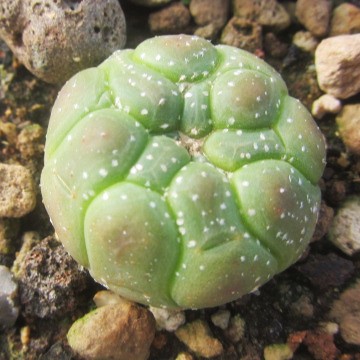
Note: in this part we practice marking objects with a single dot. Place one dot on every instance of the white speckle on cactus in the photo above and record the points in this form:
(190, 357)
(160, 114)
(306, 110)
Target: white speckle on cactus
(191, 244)
(103, 172)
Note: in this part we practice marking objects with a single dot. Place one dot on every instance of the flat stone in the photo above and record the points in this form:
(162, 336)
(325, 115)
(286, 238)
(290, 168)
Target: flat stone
(314, 15)
(345, 230)
(337, 62)
(348, 122)
(57, 39)
(17, 191)
(345, 20)
(120, 331)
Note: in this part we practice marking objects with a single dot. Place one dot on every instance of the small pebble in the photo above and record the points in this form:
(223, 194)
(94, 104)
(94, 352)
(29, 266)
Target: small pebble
(274, 47)
(326, 271)
(107, 297)
(17, 191)
(30, 141)
(314, 15)
(184, 356)
(267, 13)
(197, 336)
(9, 229)
(221, 319)
(243, 34)
(320, 345)
(345, 20)
(9, 311)
(168, 319)
(325, 104)
(305, 41)
(346, 312)
(345, 230)
(278, 352)
(236, 328)
(326, 216)
(337, 62)
(303, 307)
(210, 12)
(113, 332)
(170, 20)
(50, 281)
(348, 122)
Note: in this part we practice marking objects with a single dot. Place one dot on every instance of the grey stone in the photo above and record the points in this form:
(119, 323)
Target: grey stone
(9, 311)
(56, 39)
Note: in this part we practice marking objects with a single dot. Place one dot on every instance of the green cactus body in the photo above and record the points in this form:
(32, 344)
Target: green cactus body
(182, 174)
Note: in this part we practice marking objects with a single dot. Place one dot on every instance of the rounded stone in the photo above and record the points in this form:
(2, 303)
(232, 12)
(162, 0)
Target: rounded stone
(337, 65)
(54, 40)
(345, 229)
(113, 332)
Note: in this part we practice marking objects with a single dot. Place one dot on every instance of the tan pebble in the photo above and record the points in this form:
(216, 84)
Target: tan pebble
(337, 62)
(314, 15)
(17, 191)
(346, 312)
(197, 336)
(305, 41)
(113, 332)
(345, 20)
(184, 356)
(25, 335)
(348, 122)
(325, 104)
(278, 352)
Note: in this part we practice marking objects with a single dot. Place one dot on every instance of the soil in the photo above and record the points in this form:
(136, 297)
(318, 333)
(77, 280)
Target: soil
(292, 308)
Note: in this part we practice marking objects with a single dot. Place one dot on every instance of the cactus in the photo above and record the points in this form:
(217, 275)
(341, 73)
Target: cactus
(182, 174)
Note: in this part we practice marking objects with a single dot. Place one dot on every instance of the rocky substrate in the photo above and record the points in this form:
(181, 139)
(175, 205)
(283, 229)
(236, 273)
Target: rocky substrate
(310, 311)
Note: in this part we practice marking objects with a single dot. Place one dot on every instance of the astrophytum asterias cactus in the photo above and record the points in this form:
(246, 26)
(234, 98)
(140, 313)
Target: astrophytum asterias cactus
(182, 174)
